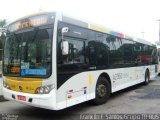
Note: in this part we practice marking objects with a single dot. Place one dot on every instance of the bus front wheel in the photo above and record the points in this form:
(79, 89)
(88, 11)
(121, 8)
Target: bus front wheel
(102, 91)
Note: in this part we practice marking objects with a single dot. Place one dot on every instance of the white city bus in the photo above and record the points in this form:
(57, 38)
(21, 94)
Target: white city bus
(53, 61)
(158, 49)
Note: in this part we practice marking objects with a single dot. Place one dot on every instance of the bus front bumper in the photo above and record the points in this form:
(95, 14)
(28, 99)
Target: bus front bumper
(47, 101)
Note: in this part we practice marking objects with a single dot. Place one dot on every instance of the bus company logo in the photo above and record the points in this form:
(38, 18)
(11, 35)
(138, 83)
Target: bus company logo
(20, 88)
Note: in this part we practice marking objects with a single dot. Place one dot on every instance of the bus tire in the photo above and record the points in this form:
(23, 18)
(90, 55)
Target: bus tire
(146, 78)
(102, 92)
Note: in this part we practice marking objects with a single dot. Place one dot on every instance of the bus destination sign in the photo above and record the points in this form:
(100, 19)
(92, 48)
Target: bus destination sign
(31, 22)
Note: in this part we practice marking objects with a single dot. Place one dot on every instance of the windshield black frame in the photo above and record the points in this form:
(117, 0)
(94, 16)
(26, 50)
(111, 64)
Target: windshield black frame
(34, 30)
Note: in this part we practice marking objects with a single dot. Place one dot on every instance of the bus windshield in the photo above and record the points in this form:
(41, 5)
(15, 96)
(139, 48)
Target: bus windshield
(28, 53)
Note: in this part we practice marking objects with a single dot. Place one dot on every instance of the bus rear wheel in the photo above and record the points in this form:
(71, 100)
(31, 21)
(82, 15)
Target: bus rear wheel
(146, 78)
(102, 91)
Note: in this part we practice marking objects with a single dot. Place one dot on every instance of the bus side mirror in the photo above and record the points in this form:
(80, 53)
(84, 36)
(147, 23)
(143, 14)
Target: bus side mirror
(64, 44)
(65, 47)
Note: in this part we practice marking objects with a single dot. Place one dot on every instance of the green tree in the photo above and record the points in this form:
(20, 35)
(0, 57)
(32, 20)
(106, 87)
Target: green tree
(2, 23)
(2, 36)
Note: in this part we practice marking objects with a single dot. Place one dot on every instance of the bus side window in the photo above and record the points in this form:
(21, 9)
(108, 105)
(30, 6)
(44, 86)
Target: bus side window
(138, 54)
(90, 50)
(154, 56)
(76, 52)
(159, 53)
(128, 52)
(102, 50)
(115, 51)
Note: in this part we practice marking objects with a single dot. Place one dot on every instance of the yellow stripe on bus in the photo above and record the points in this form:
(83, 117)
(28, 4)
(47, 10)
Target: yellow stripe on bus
(90, 79)
(26, 85)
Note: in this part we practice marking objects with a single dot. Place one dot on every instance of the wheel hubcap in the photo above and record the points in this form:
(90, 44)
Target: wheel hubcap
(147, 79)
(101, 90)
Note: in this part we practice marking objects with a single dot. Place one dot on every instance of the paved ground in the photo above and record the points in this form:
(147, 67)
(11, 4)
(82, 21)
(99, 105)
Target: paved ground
(134, 100)
(0, 86)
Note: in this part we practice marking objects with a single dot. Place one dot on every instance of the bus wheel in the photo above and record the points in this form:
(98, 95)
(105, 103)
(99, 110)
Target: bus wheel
(146, 78)
(103, 91)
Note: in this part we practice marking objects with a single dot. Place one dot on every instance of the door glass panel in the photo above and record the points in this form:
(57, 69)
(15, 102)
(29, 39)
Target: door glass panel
(76, 52)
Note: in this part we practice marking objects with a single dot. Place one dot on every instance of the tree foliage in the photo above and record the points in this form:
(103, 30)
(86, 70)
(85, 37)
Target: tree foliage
(2, 37)
(3, 23)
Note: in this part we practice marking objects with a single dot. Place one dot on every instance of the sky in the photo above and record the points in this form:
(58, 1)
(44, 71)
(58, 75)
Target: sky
(137, 18)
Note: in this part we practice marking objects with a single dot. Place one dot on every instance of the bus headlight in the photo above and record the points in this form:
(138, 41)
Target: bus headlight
(47, 89)
(6, 85)
(44, 89)
(41, 90)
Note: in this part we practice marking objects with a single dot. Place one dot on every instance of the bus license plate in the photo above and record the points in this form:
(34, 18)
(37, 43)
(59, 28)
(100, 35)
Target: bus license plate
(20, 97)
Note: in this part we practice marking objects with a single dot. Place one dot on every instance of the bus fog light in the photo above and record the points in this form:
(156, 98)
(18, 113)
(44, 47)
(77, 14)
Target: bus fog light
(6, 85)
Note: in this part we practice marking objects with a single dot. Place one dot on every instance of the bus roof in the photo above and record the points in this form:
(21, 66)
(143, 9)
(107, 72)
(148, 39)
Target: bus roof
(84, 23)
(33, 14)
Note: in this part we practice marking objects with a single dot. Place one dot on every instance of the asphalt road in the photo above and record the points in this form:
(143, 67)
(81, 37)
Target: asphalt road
(0, 86)
(134, 100)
